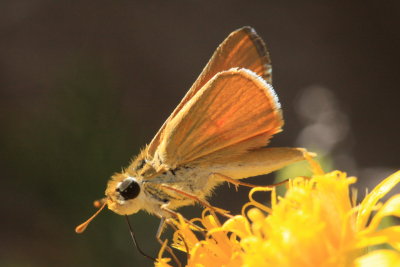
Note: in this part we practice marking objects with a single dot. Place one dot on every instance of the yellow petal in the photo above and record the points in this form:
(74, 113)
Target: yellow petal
(372, 198)
(388, 235)
(238, 225)
(390, 208)
(387, 258)
(162, 262)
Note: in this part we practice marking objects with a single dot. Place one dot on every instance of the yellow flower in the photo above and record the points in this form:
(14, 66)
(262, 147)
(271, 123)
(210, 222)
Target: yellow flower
(316, 223)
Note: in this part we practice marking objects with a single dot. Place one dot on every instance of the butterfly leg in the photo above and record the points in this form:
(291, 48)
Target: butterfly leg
(236, 182)
(176, 229)
(176, 215)
(160, 230)
(198, 200)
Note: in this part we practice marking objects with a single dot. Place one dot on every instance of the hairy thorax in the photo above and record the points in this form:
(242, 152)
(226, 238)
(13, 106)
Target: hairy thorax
(154, 195)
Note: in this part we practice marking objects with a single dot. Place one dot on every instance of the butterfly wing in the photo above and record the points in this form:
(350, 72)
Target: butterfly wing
(243, 48)
(259, 161)
(236, 107)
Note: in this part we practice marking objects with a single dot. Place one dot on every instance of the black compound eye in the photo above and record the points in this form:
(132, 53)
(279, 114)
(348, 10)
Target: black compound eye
(128, 188)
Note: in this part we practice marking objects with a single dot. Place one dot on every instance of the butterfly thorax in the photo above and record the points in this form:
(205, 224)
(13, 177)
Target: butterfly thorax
(151, 183)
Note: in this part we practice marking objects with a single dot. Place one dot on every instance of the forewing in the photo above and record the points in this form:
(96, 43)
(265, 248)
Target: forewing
(235, 106)
(243, 48)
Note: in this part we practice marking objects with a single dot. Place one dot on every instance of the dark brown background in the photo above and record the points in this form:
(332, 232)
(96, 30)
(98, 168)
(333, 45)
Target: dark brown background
(85, 84)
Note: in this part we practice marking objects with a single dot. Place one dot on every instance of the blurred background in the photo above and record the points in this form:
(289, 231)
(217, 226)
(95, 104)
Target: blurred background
(85, 84)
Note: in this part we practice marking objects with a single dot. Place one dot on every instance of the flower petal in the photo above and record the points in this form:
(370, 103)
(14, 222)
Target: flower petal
(389, 235)
(390, 208)
(238, 225)
(369, 202)
(383, 257)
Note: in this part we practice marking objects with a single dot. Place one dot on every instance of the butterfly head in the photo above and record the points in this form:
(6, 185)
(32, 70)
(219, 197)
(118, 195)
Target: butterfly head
(124, 194)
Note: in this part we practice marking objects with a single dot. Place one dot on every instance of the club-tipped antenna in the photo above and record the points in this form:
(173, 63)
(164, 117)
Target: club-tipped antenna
(135, 242)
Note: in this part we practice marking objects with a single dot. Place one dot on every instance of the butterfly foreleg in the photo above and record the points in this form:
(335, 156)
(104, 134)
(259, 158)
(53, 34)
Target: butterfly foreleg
(202, 202)
(160, 230)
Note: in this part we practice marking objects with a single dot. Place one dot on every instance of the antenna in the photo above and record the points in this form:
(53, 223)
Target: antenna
(135, 242)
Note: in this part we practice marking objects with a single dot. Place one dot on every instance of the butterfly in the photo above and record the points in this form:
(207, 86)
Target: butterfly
(218, 133)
